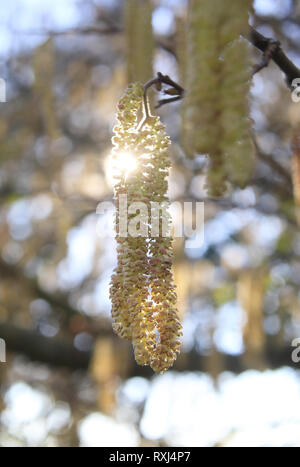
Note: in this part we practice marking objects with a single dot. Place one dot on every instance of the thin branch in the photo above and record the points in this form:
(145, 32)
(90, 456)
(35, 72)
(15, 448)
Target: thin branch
(276, 166)
(108, 29)
(58, 301)
(58, 352)
(263, 43)
(267, 56)
(90, 30)
(175, 90)
(273, 164)
(270, 48)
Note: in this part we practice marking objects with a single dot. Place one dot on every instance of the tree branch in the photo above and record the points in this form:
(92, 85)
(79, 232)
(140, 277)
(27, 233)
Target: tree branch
(58, 352)
(267, 56)
(59, 301)
(174, 90)
(275, 53)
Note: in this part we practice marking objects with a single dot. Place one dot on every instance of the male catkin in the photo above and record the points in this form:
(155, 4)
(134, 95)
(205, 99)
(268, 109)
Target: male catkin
(215, 116)
(142, 290)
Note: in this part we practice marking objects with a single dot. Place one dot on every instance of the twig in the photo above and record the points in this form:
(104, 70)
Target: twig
(270, 47)
(267, 56)
(263, 43)
(58, 352)
(276, 166)
(175, 90)
(70, 32)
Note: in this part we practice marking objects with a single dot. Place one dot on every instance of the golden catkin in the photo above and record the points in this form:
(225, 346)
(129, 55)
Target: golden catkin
(250, 294)
(295, 165)
(44, 69)
(123, 279)
(237, 142)
(202, 75)
(139, 39)
(162, 290)
(216, 120)
(142, 290)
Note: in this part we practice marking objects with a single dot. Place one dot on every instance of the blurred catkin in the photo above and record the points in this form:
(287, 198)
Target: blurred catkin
(44, 70)
(139, 39)
(142, 290)
(215, 119)
(250, 294)
(295, 164)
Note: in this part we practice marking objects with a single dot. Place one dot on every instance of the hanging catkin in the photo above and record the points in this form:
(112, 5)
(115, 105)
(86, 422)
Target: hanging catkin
(44, 69)
(216, 118)
(162, 297)
(295, 164)
(125, 277)
(142, 290)
(139, 39)
(237, 142)
(250, 294)
(202, 76)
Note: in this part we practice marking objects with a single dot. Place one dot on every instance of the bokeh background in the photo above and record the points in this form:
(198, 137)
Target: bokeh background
(68, 381)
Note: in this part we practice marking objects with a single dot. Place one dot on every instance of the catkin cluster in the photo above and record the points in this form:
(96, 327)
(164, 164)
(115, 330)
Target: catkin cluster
(142, 290)
(215, 114)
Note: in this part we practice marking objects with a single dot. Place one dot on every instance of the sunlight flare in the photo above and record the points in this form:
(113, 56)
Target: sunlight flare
(123, 162)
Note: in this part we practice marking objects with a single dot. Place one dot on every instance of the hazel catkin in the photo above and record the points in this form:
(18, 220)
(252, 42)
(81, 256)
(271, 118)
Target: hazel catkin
(142, 290)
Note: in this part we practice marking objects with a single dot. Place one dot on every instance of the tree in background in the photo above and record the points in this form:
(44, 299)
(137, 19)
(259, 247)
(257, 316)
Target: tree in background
(225, 93)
